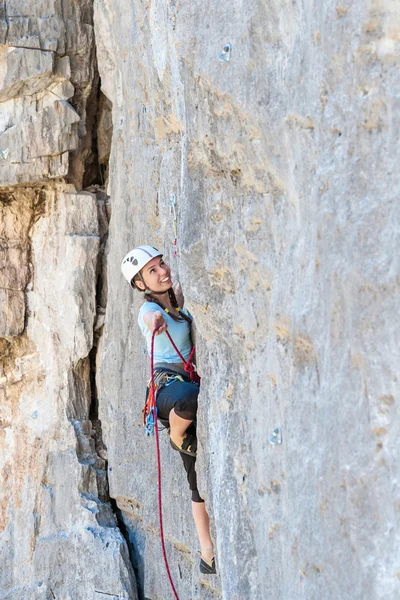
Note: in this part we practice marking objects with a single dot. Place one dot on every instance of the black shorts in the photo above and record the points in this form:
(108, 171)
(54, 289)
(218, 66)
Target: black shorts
(182, 397)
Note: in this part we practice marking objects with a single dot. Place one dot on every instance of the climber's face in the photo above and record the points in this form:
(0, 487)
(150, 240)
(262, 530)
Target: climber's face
(157, 275)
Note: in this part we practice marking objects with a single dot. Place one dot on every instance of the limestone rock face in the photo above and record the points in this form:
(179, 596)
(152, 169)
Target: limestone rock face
(59, 536)
(46, 76)
(274, 127)
(54, 515)
(284, 165)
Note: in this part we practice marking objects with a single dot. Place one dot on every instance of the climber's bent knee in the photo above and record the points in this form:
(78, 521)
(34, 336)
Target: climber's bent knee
(186, 403)
(180, 396)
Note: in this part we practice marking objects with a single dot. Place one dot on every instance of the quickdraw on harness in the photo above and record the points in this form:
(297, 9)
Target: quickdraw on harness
(151, 412)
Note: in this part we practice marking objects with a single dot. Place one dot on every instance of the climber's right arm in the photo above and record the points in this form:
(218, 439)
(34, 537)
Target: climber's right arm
(154, 319)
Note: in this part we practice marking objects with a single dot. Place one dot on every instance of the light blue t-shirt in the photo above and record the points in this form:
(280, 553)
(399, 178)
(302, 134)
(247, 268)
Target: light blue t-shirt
(178, 330)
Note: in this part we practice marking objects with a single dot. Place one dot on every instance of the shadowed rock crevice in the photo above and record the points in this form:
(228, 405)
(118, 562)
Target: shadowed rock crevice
(92, 435)
(89, 162)
(56, 518)
(83, 411)
(134, 538)
(83, 407)
(84, 168)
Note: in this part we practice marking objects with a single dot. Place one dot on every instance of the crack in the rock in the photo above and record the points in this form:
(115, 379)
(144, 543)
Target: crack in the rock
(101, 449)
(91, 450)
(104, 215)
(131, 548)
(6, 20)
(31, 48)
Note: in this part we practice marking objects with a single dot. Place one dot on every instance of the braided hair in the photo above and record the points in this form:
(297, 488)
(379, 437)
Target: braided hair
(151, 297)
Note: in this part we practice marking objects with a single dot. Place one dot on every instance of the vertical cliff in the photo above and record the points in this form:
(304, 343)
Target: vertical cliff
(274, 126)
(283, 162)
(59, 536)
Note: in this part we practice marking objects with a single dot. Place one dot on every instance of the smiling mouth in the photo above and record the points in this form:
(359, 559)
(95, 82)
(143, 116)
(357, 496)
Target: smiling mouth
(165, 280)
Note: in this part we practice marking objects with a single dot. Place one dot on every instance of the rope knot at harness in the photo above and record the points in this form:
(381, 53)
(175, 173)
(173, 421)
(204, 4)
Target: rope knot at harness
(188, 365)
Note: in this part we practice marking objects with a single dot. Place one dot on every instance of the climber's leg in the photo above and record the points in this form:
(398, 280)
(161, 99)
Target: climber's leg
(189, 462)
(178, 428)
(165, 397)
(182, 415)
(200, 515)
(202, 523)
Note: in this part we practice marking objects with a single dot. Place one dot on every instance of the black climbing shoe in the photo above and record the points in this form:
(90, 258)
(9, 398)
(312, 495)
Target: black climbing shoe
(189, 445)
(206, 568)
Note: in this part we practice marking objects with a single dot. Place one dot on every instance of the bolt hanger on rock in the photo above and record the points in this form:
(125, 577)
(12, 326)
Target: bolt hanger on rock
(276, 437)
(225, 54)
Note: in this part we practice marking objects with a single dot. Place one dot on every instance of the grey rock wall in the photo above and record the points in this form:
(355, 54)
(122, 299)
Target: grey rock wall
(59, 536)
(284, 164)
(283, 161)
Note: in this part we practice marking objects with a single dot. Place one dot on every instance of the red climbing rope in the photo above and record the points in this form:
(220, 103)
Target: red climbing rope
(152, 409)
(189, 367)
(160, 517)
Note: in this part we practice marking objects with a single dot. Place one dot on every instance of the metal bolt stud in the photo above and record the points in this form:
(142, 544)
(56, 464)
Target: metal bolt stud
(172, 201)
(276, 437)
(225, 54)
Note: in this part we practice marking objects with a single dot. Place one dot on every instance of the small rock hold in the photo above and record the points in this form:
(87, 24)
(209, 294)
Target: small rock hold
(276, 487)
(341, 11)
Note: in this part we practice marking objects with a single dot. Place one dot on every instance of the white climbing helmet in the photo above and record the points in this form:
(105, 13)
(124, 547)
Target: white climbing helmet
(136, 259)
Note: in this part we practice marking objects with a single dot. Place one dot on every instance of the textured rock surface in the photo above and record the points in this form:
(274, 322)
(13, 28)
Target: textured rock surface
(46, 78)
(284, 162)
(59, 536)
(284, 165)
(54, 515)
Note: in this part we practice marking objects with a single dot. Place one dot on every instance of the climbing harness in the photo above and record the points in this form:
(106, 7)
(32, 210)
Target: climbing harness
(161, 379)
(172, 208)
(158, 379)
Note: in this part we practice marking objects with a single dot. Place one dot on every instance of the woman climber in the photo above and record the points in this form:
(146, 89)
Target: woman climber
(176, 399)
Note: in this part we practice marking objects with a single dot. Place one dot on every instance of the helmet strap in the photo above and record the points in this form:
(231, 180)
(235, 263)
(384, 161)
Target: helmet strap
(155, 293)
